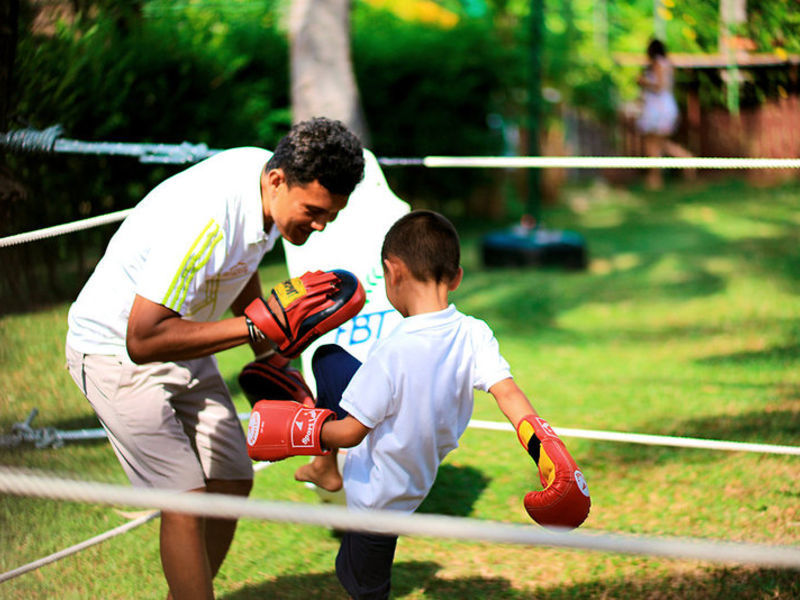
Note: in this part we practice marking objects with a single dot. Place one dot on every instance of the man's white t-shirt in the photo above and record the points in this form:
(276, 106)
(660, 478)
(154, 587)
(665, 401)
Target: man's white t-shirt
(191, 244)
(415, 391)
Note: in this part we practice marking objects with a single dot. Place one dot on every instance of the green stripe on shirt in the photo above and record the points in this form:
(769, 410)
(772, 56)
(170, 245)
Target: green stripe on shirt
(196, 258)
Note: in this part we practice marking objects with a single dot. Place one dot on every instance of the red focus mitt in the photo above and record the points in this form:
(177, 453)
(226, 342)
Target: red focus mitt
(564, 501)
(273, 378)
(301, 309)
(279, 429)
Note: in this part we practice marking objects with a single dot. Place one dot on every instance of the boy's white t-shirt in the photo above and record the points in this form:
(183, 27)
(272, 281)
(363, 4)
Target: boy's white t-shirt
(415, 391)
(191, 244)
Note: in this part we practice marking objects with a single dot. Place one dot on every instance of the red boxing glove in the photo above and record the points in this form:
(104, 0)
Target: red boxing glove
(273, 378)
(280, 428)
(564, 501)
(301, 309)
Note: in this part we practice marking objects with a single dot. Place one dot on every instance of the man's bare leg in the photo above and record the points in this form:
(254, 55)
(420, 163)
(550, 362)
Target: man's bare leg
(193, 548)
(219, 532)
(184, 558)
(323, 472)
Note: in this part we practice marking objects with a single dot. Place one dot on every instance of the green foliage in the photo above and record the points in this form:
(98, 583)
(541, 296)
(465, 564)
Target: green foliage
(216, 71)
(157, 80)
(427, 91)
(773, 26)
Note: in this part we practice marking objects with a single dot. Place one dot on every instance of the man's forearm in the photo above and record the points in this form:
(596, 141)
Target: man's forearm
(180, 339)
(157, 333)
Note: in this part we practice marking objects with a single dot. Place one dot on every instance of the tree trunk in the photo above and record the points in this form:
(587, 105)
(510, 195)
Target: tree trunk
(323, 83)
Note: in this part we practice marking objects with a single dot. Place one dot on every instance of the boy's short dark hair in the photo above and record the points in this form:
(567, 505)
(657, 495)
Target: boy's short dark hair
(427, 243)
(322, 150)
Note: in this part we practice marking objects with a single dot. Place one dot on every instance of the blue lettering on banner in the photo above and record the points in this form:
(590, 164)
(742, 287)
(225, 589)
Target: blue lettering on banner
(361, 328)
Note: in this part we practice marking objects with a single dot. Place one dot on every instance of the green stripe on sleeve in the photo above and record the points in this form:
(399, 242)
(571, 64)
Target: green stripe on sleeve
(202, 245)
(200, 261)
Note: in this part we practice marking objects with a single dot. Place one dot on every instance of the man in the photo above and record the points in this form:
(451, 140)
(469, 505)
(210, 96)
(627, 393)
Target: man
(143, 331)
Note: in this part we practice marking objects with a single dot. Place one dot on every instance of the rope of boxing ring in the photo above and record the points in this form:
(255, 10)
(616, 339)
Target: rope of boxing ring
(18, 482)
(23, 484)
(38, 485)
(495, 162)
(50, 140)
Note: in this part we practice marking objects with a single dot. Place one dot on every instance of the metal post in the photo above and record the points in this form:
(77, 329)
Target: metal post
(533, 205)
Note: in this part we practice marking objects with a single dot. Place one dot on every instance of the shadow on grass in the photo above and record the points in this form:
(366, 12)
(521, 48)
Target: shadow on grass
(319, 586)
(717, 584)
(407, 577)
(789, 353)
(455, 491)
(420, 579)
(767, 427)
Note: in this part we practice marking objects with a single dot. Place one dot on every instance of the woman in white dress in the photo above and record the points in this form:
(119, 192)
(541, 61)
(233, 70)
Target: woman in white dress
(659, 117)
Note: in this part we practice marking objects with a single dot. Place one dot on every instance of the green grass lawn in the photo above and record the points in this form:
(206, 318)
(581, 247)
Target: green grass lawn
(686, 323)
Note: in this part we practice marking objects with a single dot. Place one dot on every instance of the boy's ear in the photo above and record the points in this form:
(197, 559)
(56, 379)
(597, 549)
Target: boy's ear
(392, 269)
(456, 281)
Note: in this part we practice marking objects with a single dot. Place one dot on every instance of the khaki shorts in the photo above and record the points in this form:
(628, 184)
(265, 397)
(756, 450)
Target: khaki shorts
(172, 425)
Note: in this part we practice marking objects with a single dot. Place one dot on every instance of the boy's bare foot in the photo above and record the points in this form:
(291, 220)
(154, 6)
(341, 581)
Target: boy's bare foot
(320, 475)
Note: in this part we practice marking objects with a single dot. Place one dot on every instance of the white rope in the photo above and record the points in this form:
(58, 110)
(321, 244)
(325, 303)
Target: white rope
(124, 528)
(111, 533)
(496, 162)
(589, 434)
(14, 481)
(55, 230)
(608, 162)
(50, 140)
(652, 440)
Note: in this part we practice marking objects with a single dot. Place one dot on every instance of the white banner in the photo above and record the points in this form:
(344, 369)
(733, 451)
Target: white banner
(353, 242)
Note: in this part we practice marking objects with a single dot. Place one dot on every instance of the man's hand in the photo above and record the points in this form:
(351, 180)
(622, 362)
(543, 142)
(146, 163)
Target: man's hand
(273, 378)
(301, 309)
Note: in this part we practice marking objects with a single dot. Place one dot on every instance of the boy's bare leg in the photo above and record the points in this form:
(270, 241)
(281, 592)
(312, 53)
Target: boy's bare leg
(323, 472)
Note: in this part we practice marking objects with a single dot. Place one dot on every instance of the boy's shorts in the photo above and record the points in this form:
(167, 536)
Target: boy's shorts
(364, 562)
(172, 425)
(333, 368)
(364, 565)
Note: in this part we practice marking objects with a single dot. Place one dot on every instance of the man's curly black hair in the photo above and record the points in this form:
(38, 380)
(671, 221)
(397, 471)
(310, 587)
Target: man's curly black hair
(322, 150)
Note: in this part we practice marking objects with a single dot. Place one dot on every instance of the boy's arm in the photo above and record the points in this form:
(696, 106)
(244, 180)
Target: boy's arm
(564, 501)
(281, 428)
(343, 433)
(512, 401)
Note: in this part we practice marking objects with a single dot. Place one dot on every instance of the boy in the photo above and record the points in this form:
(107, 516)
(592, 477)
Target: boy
(405, 408)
